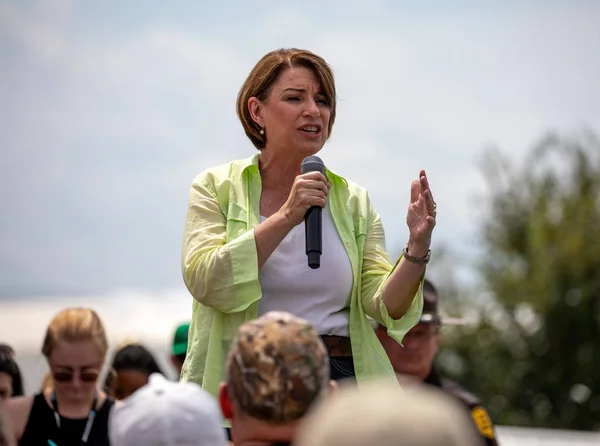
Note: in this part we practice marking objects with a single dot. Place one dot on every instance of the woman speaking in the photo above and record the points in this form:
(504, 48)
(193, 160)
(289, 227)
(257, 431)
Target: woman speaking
(244, 239)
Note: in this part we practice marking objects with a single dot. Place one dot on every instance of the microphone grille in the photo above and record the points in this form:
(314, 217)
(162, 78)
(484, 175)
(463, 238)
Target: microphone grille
(312, 164)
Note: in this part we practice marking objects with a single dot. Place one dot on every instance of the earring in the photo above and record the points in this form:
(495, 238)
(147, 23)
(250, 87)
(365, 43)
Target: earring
(262, 131)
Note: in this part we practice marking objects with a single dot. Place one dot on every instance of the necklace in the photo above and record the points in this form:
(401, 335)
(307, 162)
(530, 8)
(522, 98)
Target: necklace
(90, 420)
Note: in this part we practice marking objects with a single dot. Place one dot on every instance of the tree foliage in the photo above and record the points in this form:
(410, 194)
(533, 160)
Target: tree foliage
(534, 354)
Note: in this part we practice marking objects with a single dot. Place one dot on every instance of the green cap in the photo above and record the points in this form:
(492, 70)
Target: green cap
(180, 340)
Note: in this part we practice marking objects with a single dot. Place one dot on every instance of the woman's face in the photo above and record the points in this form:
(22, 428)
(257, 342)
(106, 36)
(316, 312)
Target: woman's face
(126, 382)
(295, 115)
(75, 367)
(5, 386)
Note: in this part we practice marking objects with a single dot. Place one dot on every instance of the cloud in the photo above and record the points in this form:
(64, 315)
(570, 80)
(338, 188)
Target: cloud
(103, 152)
(103, 131)
(434, 93)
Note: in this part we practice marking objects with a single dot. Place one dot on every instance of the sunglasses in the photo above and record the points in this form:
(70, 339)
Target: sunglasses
(87, 376)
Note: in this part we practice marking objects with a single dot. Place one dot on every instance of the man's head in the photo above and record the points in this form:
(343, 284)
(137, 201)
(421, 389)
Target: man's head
(382, 414)
(276, 369)
(421, 343)
(179, 348)
(167, 413)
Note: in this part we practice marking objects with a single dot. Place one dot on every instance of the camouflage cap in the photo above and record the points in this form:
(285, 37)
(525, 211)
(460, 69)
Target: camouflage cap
(277, 367)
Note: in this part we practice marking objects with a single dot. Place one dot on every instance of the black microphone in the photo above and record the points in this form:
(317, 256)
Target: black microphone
(312, 220)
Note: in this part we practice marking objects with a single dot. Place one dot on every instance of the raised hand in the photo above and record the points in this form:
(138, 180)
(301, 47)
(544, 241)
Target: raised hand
(421, 216)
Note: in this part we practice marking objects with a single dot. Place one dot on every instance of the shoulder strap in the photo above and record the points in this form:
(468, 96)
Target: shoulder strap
(39, 419)
(39, 405)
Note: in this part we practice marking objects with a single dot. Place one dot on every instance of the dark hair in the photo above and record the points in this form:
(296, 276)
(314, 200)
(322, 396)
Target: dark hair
(111, 375)
(429, 287)
(7, 349)
(135, 357)
(266, 73)
(9, 366)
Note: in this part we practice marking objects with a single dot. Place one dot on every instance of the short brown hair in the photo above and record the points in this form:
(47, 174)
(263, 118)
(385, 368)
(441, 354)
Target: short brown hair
(75, 325)
(266, 72)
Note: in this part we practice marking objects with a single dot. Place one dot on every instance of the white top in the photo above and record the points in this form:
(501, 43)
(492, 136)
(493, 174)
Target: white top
(322, 295)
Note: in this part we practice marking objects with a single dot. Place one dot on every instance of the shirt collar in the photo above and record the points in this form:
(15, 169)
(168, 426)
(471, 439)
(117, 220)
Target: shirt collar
(252, 163)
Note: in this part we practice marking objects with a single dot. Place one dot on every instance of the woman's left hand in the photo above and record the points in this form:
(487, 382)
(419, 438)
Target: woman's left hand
(421, 216)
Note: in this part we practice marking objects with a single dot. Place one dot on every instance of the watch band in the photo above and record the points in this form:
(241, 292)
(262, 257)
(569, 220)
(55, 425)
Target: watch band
(417, 260)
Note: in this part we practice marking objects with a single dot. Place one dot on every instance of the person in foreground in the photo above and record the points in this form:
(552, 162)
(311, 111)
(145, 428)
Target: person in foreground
(276, 370)
(244, 236)
(414, 362)
(167, 413)
(70, 410)
(381, 414)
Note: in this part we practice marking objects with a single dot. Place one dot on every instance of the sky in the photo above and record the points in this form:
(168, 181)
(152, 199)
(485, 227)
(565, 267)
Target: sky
(109, 109)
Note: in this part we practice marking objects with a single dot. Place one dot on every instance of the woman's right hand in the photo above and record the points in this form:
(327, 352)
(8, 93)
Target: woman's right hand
(309, 189)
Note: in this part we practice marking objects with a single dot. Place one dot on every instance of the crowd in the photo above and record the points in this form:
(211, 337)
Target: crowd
(277, 390)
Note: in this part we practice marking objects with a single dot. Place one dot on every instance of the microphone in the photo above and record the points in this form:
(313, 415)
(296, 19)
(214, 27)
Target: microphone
(312, 220)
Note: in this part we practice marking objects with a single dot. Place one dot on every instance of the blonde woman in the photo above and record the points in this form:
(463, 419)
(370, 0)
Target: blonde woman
(70, 410)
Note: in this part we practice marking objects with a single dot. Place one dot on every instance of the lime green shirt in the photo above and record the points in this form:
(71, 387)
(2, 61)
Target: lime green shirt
(220, 269)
